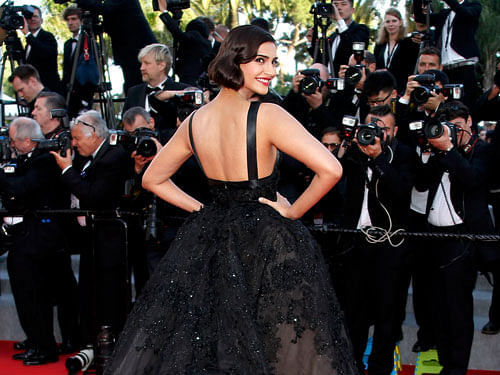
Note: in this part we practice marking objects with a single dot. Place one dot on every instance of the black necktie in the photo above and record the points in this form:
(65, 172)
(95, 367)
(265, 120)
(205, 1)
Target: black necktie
(150, 89)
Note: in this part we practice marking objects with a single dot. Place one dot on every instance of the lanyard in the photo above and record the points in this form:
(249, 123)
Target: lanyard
(389, 54)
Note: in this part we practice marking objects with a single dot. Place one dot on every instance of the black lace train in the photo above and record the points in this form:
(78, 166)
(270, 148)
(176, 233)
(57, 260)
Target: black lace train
(242, 290)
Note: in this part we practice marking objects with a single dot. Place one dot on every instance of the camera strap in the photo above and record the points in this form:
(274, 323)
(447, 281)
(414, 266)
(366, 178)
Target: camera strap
(469, 146)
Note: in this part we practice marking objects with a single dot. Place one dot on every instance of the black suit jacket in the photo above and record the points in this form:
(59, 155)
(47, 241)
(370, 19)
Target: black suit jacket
(43, 56)
(101, 185)
(35, 185)
(355, 33)
(402, 63)
(464, 25)
(67, 62)
(164, 113)
(390, 186)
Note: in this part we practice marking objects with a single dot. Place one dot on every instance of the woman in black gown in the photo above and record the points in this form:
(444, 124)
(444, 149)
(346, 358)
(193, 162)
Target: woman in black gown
(243, 289)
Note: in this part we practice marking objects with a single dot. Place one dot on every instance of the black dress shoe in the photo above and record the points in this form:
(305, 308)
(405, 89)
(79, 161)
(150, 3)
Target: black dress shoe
(40, 358)
(22, 356)
(421, 347)
(491, 328)
(21, 345)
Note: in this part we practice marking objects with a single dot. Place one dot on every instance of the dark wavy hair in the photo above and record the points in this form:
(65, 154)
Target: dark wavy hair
(239, 47)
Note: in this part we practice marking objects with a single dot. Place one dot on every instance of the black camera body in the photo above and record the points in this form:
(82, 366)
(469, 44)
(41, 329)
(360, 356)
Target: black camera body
(367, 132)
(354, 73)
(421, 94)
(187, 101)
(431, 129)
(12, 17)
(320, 9)
(140, 141)
(173, 5)
(59, 144)
(310, 82)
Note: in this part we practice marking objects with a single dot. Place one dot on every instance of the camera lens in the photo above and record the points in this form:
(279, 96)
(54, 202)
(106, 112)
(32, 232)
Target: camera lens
(433, 129)
(146, 148)
(420, 95)
(308, 85)
(353, 75)
(366, 136)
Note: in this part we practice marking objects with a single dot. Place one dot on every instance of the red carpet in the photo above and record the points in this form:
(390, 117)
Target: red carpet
(10, 367)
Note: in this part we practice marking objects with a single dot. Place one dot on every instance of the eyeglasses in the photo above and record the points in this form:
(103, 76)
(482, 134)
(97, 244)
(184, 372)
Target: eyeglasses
(333, 145)
(379, 101)
(78, 121)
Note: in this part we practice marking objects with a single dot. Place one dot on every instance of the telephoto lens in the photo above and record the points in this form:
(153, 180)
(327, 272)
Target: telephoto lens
(80, 361)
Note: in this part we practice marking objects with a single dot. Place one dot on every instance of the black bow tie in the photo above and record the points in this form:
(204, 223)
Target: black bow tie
(150, 89)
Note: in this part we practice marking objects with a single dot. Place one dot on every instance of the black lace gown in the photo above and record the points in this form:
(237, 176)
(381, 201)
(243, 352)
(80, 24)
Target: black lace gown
(242, 290)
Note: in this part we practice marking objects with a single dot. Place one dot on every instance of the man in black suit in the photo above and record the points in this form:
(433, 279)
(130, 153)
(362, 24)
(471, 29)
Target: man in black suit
(456, 27)
(156, 62)
(455, 177)
(96, 180)
(348, 31)
(83, 89)
(37, 241)
(41, 51)
(26, 83)
(118, 17)
(372, 278)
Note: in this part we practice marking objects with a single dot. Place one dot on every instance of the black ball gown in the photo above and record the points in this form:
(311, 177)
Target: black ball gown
(242, 290)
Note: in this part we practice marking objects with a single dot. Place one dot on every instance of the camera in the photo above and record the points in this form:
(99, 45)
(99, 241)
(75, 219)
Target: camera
(187, 102)
(354, 73)
(61, 143)
(173, 5)
(139, 141)
(322, 9)
(421, 94)
(81, 361)
(310, 82)
(12, 17)
(432, 128)
(367, 132)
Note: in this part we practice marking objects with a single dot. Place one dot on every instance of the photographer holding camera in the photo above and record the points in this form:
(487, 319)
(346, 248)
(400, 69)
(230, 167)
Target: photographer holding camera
(455, 177)
(341, 41)
(36, 242)
(371, 275)
(41, 51)
(308, 99)
(193, 44)
(156, 62)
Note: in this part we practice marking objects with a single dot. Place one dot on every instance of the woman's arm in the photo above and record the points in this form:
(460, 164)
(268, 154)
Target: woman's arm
(157, 177)
(289, 136)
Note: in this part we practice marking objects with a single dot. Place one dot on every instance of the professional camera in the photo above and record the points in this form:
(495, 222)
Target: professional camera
(12, 17)
(421, 94)
(354, 73)
(81, 361)
(61, 143)
(187, 102)
(367, 132)
(322, 9)
(310, 82)
(432, 128)
(140, 141)
(173, 5)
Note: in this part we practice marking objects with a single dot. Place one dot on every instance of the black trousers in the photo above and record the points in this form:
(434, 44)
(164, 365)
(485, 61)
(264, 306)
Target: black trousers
(372, 285)
(453, 275)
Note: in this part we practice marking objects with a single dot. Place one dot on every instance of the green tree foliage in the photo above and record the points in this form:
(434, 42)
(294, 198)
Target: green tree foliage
(488, 37)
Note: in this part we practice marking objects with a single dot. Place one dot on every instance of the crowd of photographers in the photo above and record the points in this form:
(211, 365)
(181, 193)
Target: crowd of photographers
(403, 121)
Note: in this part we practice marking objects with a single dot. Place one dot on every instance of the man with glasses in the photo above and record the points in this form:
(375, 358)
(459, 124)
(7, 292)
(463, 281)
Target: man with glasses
(96, 180)
(380, 88)
(371, 278)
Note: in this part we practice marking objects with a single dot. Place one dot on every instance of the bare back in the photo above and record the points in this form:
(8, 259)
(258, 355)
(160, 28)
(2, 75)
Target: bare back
(219, 136)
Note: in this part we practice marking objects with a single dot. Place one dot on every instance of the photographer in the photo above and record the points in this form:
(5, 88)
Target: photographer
(51, 123)
(348, 31)
(156, 62)
(96, 178)
(456, 28)
(455, 178)
(193, 46)
(41, 51)
(26, 83)
(36, 241)
(371, 279)
(118, 16)
(308, 99)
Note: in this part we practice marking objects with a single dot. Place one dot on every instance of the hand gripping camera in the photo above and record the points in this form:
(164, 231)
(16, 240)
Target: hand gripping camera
(432, 128)
(312, 81)
(354, 73)
(364, 133)
(140, 141)
(427, 82)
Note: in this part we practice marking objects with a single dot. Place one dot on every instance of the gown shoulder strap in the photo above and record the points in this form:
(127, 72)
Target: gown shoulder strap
(252, 141)
(192, 142)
